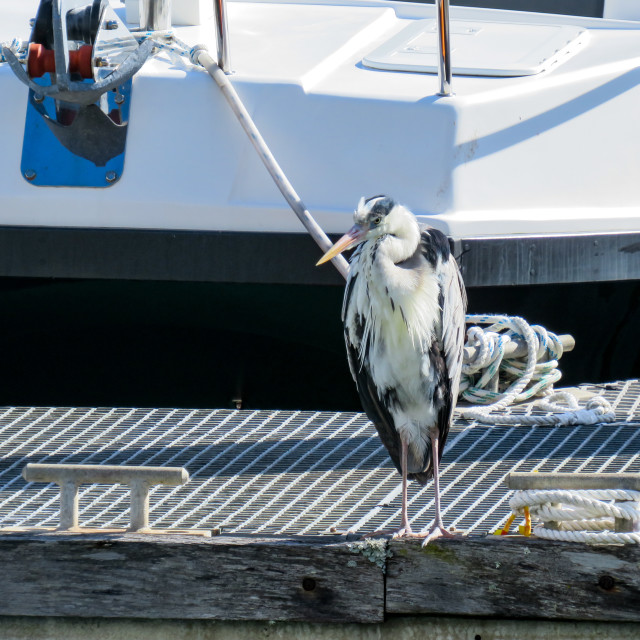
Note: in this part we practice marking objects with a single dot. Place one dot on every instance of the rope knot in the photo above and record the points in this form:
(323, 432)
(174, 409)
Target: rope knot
(194, 53)
(497, 381)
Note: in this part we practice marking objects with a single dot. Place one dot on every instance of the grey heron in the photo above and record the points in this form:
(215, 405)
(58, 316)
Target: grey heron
(403, 313)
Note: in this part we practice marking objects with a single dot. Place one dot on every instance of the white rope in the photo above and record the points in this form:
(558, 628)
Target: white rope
(199, 56)
(496, 381)
(176, 49)
(581, 515)
(18, 47)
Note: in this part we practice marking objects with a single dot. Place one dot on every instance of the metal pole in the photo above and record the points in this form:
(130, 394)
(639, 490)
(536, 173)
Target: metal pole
(222, 35)
(139, 505)
(155, 15)
(68, 505)
(444, 61)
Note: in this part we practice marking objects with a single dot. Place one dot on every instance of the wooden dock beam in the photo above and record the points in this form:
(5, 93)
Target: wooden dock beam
(395, 628)
(184, 577)
(514, 577)
(314, 579)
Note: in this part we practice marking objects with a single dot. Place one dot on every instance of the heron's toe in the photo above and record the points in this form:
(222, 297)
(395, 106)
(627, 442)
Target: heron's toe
(436, 532)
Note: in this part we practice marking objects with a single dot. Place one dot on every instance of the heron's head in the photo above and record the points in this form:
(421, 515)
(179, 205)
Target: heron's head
(374, 217)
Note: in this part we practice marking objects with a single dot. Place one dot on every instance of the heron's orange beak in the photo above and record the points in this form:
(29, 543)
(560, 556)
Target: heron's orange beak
(353, 237)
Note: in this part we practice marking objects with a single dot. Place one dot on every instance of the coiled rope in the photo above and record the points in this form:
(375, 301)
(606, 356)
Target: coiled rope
(497, 381)
(587, 515)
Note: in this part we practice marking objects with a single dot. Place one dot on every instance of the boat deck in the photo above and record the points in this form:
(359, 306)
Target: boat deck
(288, 472)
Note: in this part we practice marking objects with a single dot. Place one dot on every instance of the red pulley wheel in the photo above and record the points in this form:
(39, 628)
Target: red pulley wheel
(41, 61)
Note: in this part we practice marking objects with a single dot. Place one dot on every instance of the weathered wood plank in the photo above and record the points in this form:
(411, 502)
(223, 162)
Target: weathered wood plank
(225, 578)
(514, 577)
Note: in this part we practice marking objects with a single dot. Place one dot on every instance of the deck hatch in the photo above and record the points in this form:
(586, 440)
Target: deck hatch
(480, 48)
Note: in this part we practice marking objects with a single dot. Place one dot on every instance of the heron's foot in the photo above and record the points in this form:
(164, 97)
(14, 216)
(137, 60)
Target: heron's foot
(405, 532)
(437, 531)
(402, 532)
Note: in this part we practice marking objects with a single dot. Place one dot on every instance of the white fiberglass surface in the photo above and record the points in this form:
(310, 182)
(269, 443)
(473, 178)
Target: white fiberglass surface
(14, 18)
(480, 48)
(553, 152)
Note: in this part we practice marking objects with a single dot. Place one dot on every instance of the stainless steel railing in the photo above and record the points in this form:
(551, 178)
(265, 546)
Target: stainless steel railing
(444, 66)
(155, 15)
(222, 35)
(444, 63)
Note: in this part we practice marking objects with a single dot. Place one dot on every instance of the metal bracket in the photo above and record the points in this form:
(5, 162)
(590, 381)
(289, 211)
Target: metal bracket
(79, 92)
(88, 152)
(75, 129)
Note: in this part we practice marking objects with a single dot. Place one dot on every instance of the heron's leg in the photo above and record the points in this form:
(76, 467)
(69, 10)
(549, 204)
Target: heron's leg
(405, 527)
(437, 530)
(436, 477)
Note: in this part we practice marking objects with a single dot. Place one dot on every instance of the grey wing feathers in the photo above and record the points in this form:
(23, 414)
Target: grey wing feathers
(372, 405)
(454, 308)
(450, 348)
(352, 357)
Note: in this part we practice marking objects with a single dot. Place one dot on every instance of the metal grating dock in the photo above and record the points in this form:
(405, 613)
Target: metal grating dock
(287, 472)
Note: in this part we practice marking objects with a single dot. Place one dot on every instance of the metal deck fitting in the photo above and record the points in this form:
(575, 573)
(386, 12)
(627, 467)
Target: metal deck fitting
(571, 481)
(139, 480)
(293, 472)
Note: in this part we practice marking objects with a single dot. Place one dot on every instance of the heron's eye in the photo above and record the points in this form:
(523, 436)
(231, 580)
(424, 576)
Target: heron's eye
(377, 220)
